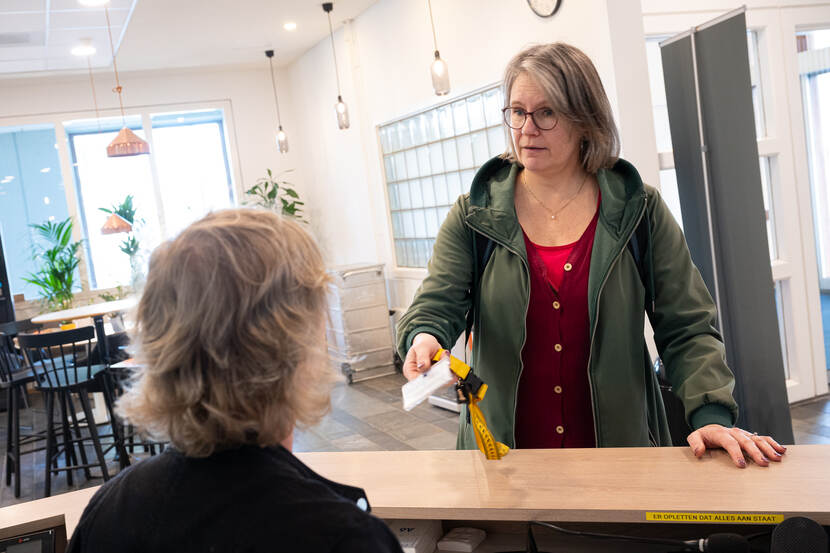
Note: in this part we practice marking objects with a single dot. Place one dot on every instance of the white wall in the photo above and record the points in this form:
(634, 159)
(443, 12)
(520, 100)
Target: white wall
(384, 57)
(248, 91)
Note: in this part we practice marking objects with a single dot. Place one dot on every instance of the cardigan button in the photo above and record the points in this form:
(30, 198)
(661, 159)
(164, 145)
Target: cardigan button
(557, 389)
(558, 347)
(560, 430)
(568, 266)
(556, 305)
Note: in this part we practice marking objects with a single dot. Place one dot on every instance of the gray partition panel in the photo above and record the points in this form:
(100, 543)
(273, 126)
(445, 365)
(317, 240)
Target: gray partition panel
(741, 257)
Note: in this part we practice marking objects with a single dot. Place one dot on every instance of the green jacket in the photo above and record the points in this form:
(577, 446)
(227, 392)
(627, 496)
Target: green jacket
(628, 409)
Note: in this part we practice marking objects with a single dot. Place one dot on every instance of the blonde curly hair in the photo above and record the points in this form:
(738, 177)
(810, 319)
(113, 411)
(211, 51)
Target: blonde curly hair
(230, 335)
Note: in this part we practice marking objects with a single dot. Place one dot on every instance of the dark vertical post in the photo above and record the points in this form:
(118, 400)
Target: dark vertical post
(709, 98)
(6, 304)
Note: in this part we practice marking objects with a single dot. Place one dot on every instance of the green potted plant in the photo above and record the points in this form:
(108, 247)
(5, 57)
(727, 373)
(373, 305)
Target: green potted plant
(278, 195)
(59, 260)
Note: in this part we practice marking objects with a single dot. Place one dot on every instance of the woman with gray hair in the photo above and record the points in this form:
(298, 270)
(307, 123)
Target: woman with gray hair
(539, 252)
(230, 337)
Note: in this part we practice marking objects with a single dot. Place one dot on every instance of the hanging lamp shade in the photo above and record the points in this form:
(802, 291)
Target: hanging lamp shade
(440, 76)
(340, 108)
(439, 70)
(127, 143)
(281, 137)
(116, 223)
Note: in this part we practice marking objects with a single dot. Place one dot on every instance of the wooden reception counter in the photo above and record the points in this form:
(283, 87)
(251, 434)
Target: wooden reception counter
(631, 485)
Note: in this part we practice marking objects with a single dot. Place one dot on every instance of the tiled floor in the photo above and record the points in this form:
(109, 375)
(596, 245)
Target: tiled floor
(366, 416)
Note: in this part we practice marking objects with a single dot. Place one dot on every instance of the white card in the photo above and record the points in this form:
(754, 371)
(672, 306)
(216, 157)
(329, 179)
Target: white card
(437, 377)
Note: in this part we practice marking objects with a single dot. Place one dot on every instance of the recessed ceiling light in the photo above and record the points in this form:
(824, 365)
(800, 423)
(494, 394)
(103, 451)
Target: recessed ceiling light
(93, 3)
(290, 26)
(85, 48)
(46, 200)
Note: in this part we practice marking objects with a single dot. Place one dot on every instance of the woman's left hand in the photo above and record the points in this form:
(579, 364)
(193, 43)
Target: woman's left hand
(736, 442)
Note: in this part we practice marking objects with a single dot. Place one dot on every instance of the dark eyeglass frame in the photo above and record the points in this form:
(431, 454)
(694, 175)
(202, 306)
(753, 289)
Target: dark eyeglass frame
(506, 116)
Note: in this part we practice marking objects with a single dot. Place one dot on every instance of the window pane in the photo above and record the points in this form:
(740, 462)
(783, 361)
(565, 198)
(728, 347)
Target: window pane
(769, 213)
(432, 222)
(670, 194)
(403, 135)
(415, 193)
(408, 224)
(450, 155)
(782, 329)
(453, 186)
(432, 125)
(492, 107)
(465, 152)
(423, 161)
(192, 171)
(475, 110)
(411, 163)
(481, 150)
(436, 158)
(400, 166)
(495, 137)
(104, 182)
(428, 191)
(466, 180)
(403, 195)
(755, 79)
(393, 197)
(420, 223)
(459, 112)
(442, 196)
(445, 119)
(389, 167)
(31, 192)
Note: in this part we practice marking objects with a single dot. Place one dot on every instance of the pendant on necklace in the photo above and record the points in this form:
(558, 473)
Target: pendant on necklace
(553, 216)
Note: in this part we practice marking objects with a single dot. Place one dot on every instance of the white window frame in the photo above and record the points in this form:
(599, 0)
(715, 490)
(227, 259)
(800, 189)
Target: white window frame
(67, 173)
(417, 273)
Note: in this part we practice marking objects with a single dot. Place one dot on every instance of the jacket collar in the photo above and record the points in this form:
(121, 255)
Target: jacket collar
(492, 210)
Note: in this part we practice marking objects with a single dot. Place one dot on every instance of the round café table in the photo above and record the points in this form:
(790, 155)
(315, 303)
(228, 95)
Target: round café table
(97, 312)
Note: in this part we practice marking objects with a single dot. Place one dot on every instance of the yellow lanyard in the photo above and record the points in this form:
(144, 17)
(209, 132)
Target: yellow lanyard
(471, 390)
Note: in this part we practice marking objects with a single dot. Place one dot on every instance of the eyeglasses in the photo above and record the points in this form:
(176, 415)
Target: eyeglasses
(543, 118)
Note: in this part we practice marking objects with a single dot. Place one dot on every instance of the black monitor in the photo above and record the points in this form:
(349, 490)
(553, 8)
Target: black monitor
(44, 541)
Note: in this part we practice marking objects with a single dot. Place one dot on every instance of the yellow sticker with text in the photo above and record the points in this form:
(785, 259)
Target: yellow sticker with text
(724, 518)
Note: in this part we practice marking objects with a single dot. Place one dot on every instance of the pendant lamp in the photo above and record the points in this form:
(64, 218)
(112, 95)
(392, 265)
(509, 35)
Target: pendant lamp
(115, 224)
(340, 108)
(282, 139)
(126, 142)
(438, 69)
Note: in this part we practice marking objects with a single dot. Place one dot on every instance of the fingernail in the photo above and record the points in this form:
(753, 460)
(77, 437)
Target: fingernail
(777, 454)
(420, 364)
(765, 458)
(698, 451)
(742, 463)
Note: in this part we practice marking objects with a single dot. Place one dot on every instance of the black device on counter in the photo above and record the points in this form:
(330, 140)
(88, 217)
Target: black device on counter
(38, 542)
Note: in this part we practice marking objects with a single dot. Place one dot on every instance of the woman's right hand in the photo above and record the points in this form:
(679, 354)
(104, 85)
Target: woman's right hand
(419, 357)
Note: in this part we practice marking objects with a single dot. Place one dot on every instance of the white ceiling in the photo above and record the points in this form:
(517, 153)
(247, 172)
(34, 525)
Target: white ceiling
(36, 36)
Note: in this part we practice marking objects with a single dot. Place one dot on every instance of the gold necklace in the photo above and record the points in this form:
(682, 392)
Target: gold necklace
(553, 213)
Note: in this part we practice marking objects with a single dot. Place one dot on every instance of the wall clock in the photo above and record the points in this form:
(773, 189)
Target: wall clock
(544, 8)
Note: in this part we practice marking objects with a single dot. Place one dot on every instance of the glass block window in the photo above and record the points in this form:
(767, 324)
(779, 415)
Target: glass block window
(429, 159)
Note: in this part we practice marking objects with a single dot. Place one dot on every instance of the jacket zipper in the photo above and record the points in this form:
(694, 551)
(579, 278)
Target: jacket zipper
(524, 326)
(596, 318)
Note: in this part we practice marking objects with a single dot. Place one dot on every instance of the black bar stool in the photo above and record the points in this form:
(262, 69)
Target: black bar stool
(64, 371)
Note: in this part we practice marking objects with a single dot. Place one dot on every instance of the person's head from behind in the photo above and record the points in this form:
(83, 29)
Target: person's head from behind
(557, 110)
(229, 335)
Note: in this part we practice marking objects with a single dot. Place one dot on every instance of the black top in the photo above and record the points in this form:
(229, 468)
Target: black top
(248, 500)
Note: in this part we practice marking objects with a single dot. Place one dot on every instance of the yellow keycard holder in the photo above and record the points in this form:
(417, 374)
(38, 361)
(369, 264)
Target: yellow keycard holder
(470, 390)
